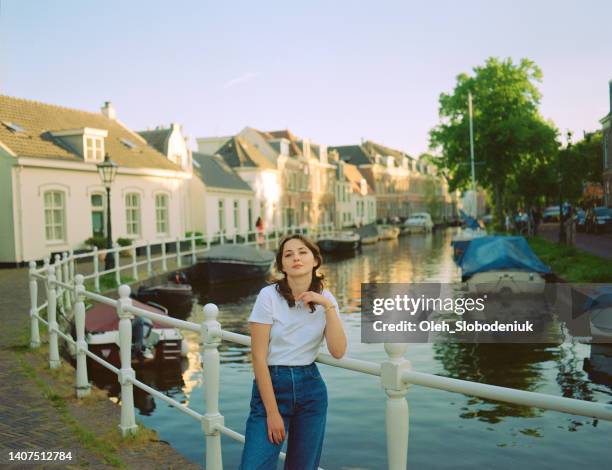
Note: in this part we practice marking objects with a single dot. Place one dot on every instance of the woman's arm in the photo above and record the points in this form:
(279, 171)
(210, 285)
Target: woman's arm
(260, 338)
(335, 337)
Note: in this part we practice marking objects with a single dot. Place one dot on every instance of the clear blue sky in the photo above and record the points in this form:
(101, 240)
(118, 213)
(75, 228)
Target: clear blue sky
(332, 71)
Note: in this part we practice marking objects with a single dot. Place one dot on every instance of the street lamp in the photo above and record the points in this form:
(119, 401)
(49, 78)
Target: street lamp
(107, 170)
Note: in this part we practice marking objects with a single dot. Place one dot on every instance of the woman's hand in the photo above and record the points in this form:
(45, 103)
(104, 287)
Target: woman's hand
(276, 428)
(309, 296)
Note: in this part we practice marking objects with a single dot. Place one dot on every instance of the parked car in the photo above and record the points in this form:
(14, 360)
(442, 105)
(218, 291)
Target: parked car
(551, 213)
(598, 219)
(580, 220)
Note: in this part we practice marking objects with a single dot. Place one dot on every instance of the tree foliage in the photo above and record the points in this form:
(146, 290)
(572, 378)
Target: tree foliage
(513, 144)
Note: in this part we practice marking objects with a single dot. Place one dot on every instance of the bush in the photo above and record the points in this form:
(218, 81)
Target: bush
(98, 240)
(124, 241)
(199, 241)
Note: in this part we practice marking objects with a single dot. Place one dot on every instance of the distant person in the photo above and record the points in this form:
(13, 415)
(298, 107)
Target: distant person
(259, 228)
(507, 223)
(288, 323)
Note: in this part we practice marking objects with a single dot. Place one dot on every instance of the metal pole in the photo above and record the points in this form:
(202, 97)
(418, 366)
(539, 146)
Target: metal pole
(210, 340)
(474, 199)
(82, 383)
(34, 330)
(109, 260)
(126, 373)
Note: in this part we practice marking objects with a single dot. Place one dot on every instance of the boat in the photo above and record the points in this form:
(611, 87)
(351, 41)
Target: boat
(368, 234)
(502, 265)
(388, 232)
(419, 222)
(152, 341)
(229, 263)
(339, 242)
(599, 308)
(176, 295)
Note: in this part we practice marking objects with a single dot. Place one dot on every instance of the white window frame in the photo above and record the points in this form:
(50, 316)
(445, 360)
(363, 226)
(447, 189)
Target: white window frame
(162, 219)
(236, 210)
(54, 216)
(101, 209)
(94, 148)
(133, 215)
(221, 214)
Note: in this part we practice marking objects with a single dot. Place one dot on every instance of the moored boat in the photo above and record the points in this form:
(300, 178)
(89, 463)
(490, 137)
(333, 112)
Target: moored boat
(368, 234)
(500, 264)
(388, 232)
(151, 340)
(599, 307)
(229, 263)
(340, 242)
(419, 222)
(175, 295)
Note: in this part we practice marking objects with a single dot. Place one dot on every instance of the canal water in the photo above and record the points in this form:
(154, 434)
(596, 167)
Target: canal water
(447, 430)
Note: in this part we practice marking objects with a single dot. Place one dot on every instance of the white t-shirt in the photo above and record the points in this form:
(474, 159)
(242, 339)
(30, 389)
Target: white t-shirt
(296, 334)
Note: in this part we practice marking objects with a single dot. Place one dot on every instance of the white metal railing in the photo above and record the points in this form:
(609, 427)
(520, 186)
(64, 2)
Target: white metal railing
(64, 288)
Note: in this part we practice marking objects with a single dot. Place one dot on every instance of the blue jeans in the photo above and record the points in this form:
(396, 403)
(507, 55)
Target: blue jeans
(301, 396)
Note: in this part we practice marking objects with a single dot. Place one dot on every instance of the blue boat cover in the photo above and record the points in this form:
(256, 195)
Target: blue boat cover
(470, 221)
(602, 299)
(493, 253)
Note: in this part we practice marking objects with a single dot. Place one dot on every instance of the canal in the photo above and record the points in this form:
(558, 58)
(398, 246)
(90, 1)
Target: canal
(447, 430)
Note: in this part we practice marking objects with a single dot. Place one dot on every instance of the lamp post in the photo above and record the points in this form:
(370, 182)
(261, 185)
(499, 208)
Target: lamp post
(108, 170)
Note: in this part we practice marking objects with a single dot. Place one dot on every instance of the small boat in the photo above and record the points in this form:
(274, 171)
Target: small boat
(368, 234)
(340, 242)
(599, 307)
(388, 232)
(419, 222)
(502, 265)
(151, 341)
(598, 365)
(229, 263)
(176, 295)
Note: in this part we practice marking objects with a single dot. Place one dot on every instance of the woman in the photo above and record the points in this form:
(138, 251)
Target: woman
(289, 398)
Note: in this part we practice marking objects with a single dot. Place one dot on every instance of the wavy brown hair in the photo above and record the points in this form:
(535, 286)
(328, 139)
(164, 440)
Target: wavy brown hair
(316, 284)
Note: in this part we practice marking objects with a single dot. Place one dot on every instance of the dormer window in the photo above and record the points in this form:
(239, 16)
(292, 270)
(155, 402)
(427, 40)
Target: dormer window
(94, 149)
(86, 141)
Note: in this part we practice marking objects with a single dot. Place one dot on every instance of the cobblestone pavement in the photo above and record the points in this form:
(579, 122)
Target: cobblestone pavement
(30, 419)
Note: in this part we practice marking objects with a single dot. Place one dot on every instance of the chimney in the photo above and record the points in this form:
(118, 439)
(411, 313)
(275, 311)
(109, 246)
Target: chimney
(109, 110)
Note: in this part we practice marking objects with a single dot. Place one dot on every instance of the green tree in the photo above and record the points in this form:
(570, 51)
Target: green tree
(510, 136)
(581, 162)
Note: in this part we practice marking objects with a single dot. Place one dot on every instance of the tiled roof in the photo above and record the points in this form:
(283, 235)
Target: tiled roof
(354, 154)
(39, 120)
(352, 173)
(158, 139)
(215, 173)
(240, 152)
(294, 149)
(373, 148)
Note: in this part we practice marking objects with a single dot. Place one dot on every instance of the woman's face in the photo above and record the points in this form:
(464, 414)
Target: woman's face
(297, 258)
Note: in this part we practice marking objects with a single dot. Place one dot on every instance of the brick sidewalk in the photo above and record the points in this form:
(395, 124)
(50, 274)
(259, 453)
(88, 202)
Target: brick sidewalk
(29, 420)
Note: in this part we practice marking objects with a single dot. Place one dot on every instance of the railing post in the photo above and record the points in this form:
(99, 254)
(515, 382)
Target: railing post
(71, 264)
(134, 263)
(396, 412)
(235, 236)
(34, 331)
(67, 299)
(54, 360)
(82, 383)
(96, 273)
(149, 267)
(193, 248)
(210, 339)
(207, 241)
(221, 237)
(59, 298)
(164, 260)
(126, 373)
(178, 252)
(117, 263)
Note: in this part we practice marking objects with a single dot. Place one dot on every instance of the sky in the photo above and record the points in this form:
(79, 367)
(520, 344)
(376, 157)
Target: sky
(331, 71)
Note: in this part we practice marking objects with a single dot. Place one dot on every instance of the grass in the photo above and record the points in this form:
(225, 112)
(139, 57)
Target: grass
(105, 445)
(108, 282)
(572, 264)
